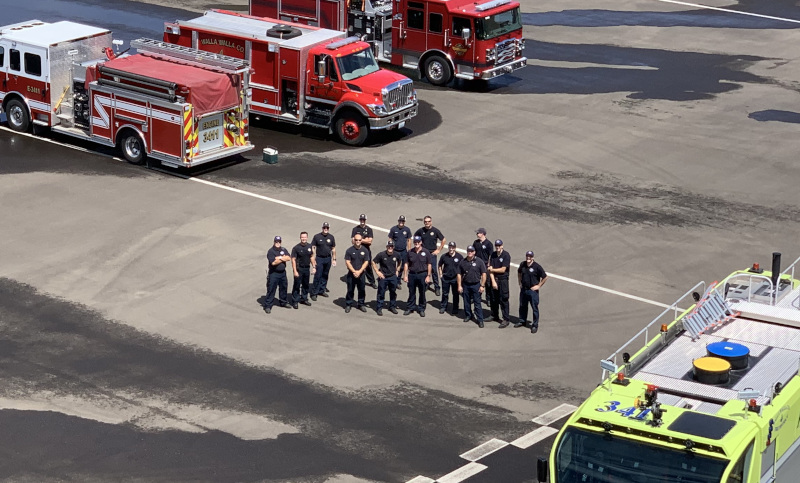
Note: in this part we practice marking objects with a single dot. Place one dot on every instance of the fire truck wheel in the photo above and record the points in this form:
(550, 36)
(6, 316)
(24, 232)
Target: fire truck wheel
(132, 148)
(352, 128)
(437, 71)
(18, 117)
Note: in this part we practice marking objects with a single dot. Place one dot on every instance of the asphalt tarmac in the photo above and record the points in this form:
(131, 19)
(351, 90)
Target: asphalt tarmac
(647, 146)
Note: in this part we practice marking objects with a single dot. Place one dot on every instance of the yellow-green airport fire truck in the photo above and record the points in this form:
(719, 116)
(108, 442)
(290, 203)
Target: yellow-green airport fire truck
(713, 396)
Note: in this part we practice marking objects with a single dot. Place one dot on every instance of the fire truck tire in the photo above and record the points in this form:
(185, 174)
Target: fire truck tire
(17, 115)
(438, 71)
(132, 147)
(351, 128)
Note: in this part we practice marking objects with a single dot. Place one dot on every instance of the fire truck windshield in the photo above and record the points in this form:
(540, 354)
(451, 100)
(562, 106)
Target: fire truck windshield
(586, 457)
(357, 65)
(498, 24)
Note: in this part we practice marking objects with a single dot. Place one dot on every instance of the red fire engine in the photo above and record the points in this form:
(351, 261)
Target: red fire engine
(179, 106)
(305, 75)
(468, 39)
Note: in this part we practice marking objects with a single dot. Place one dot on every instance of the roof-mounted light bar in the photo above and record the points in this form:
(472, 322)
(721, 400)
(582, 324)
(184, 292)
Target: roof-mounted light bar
(342, 43)
(490, 5)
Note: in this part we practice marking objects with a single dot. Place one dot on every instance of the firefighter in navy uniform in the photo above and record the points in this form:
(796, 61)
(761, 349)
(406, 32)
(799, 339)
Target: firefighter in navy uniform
(483, 250)
(323, 246)
(448, 272)
(302, 265)
(277, 257)
(471, 280)
(401, 236)
(357, 259)
(531, 277)
(418, 275)
(366, 241)
(430, 236)
(387, 268)
(499, 266)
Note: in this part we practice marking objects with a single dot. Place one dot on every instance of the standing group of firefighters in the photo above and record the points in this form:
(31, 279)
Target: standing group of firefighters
(411, 259)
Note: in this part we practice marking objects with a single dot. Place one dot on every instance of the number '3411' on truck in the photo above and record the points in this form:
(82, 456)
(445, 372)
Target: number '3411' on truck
(179, 106)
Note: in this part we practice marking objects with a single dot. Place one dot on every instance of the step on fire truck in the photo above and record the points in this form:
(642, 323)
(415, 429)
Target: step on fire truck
(179, 106)
(713, 396)
(305, 75)
(468, 39)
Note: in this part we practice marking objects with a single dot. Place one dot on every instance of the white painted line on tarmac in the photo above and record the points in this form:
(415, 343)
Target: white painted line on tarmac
(461, 474)
(554, 414)
(421, 479)
(340, 218)
(485, 449)
(538, 434)
(727, 10)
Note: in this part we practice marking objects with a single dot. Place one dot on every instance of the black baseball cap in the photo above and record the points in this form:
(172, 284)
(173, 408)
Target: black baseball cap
(390, 243)
(452, 244)
(498, 243)
(482, 231)
(470, 248)
(417, 238)
(277, 239)
(362, 217)
(401, 218)
(529, 253)
(326, 225)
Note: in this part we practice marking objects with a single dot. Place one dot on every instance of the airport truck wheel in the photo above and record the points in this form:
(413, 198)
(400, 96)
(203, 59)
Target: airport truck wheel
(437, 71)
(17, 115)
(352, 129)
(132, 148)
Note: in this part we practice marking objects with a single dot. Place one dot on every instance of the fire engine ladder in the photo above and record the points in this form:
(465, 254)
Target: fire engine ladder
(188, 55)
(710, 311)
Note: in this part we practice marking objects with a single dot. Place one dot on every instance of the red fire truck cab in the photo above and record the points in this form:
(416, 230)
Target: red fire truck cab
(468, 39)
(179, 106)
(305, 75)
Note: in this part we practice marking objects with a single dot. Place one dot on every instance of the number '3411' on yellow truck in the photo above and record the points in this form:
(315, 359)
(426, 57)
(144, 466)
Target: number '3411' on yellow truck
(712, 396)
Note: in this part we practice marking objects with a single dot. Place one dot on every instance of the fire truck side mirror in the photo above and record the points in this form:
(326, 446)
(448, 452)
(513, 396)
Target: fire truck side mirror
(541, 470)
(321, 70)
(465, 33)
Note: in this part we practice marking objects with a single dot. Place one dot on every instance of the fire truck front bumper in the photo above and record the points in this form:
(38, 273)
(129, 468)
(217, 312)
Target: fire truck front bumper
(504, 69)
(396, 119)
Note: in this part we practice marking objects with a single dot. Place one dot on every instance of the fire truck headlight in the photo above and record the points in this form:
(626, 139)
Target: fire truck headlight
(413, 96)
(520, 45)
(491, 54)
(377, 109)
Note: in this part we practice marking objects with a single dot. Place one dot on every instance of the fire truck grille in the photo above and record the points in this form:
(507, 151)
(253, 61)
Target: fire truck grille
(506, 51)
(398, 95)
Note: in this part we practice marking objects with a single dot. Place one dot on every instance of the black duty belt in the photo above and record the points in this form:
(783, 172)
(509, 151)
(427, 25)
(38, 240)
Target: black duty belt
(323, 256)
(416, 273)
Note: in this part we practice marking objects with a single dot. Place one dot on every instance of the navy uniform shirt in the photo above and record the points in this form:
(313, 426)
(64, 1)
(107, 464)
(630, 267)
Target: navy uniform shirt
(449, 265)
(400, 237)
(471, 271)
(388, 264)
(418, 262)
(483, 249)
(324, 243)
(365, 232)
(302, 254)
(531, 275)
(429, 237)
(357, 256)
(274, 253)
(500, 261)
